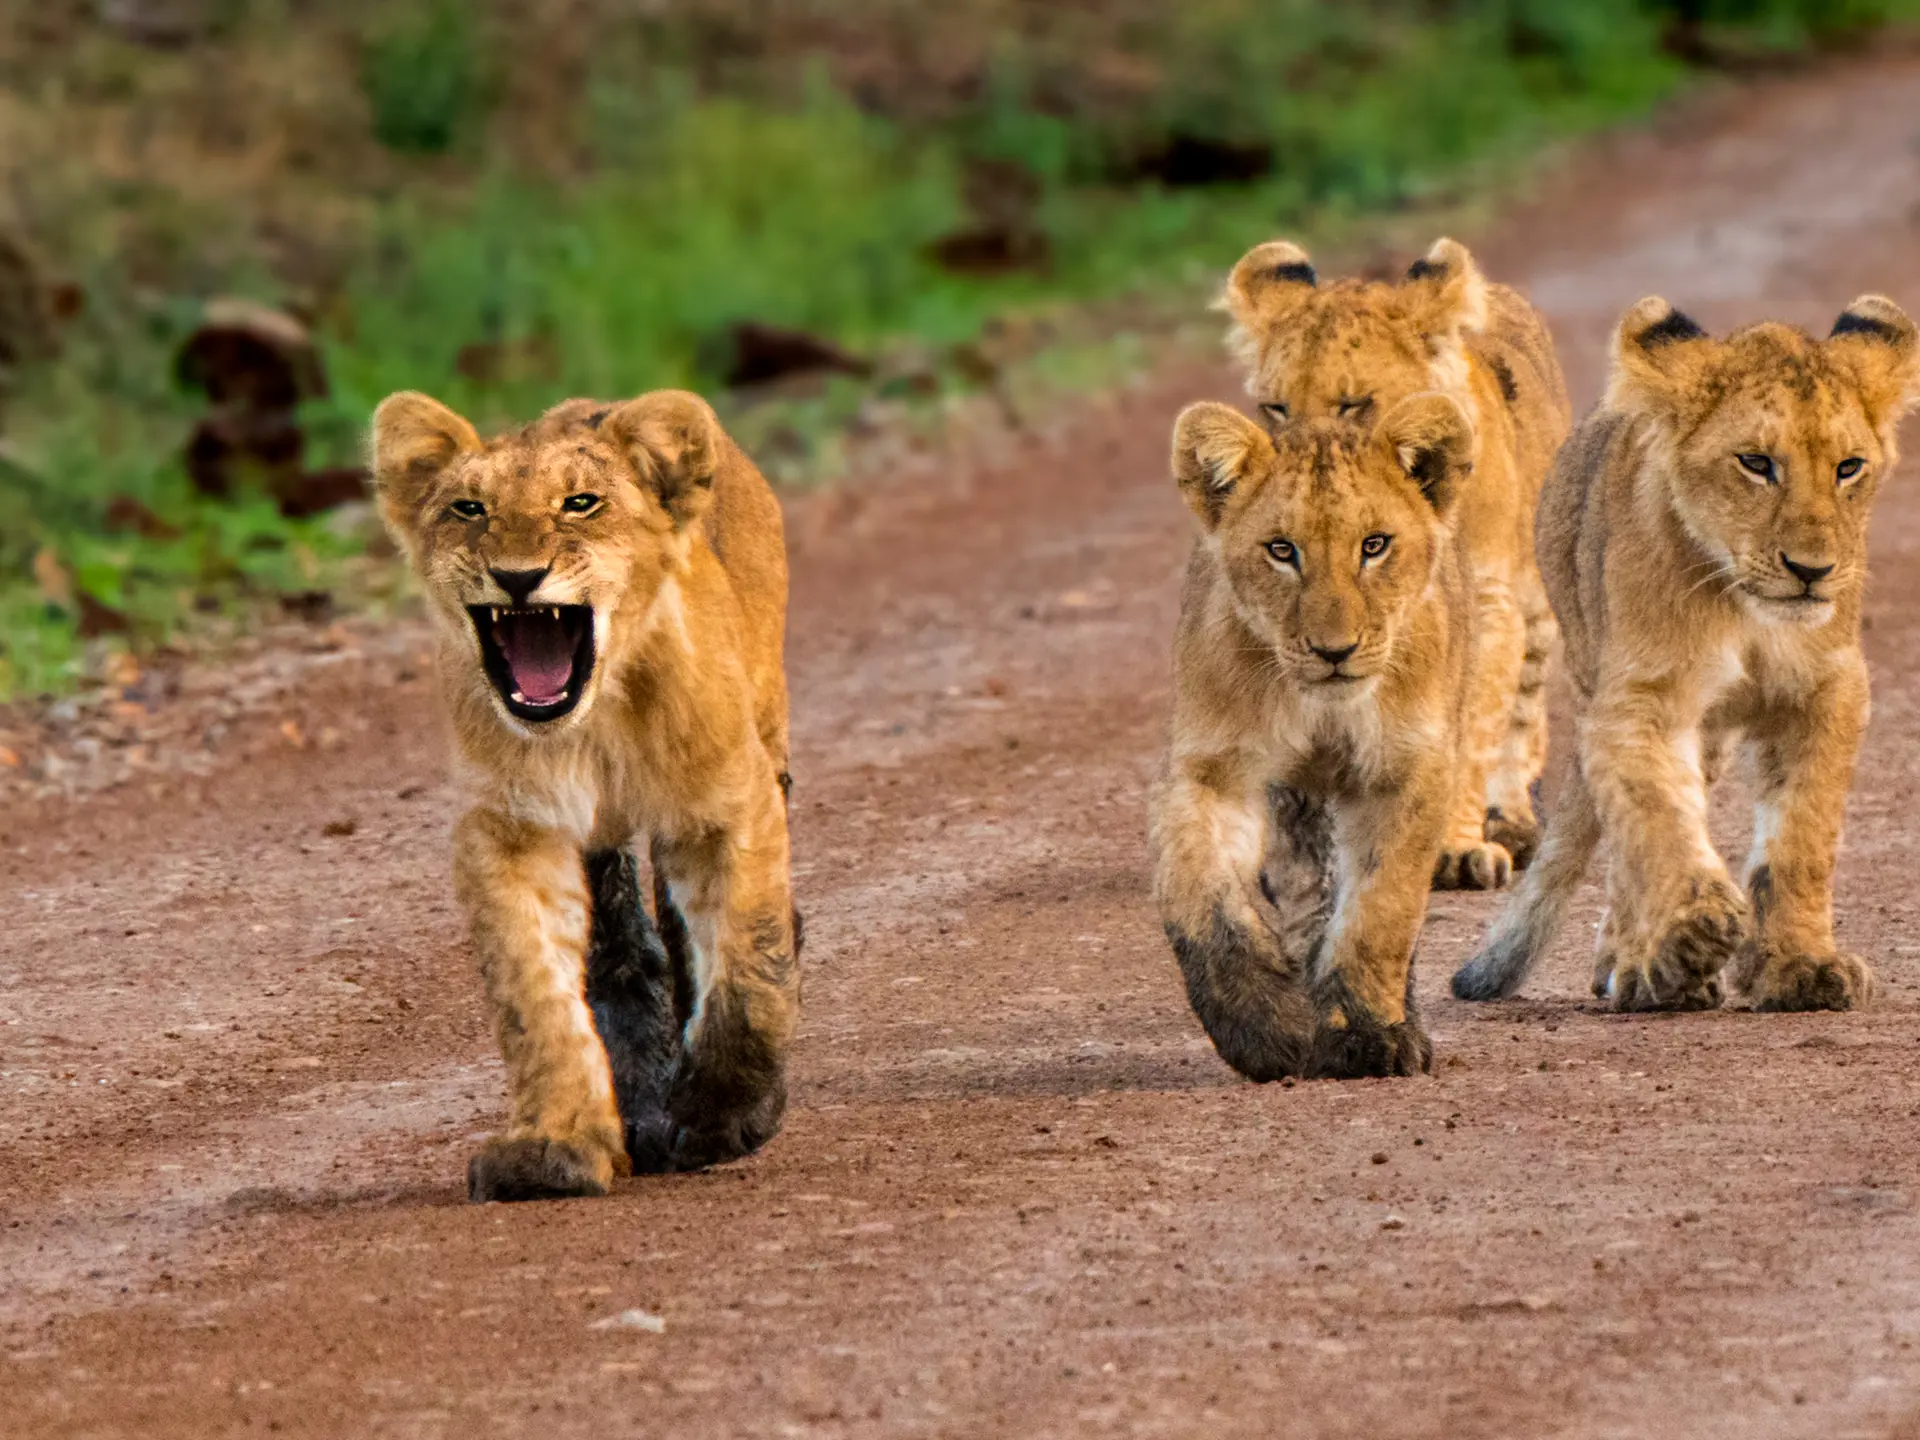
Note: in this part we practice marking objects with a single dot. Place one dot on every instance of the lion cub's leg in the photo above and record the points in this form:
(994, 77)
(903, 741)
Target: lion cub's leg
(1239, 884)
(1363, 991)
(732, 924)
(1677, 915)
(1470, 859)
(1805, 769)
(526, 891)
(1511, 821)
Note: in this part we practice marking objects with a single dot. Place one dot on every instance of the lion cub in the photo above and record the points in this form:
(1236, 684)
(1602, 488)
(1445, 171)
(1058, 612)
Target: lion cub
(1320, 685)
(610, 586)
(1351, 350)
(1704, 540)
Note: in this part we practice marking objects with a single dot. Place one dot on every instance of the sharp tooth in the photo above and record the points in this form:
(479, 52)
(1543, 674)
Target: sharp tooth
(518, 698)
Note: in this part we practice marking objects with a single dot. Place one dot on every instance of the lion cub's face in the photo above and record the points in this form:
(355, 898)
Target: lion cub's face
(1351, 350)
(1327, 533)
(543, 549)
(1774, 444)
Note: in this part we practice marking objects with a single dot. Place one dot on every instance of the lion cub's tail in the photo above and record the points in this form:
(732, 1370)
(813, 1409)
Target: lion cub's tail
(1533, 916)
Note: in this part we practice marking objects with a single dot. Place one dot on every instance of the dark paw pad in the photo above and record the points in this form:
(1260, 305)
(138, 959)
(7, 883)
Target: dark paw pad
(1365, 1047)
(714, 1139)
(1477, 867)
(1518, 835)
(534, 1170)
(1835, 982)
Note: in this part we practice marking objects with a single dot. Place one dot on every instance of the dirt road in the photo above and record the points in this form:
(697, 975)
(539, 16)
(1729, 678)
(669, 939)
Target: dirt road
(242, 1055)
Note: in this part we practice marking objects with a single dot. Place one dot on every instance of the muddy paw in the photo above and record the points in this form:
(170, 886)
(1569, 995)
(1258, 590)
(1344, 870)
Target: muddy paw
(1634, 987)
(1518, 835)
(1351, 1045)
(714, 1139)
(1807, 982)
(1474, 867)
(537, 1169)
(1683, 973)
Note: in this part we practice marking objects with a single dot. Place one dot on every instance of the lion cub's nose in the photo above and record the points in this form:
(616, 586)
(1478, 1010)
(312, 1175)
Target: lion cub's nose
(1332, 655)
(1805, 574)
(519, 584)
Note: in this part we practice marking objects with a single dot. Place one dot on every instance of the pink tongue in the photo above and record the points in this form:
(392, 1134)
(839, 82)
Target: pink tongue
(538, 653)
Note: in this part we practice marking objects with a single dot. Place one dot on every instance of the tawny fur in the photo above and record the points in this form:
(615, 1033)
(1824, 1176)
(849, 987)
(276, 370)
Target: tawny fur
(679, 737)
(1668, 559)
(1352, 349)
(1319, 716)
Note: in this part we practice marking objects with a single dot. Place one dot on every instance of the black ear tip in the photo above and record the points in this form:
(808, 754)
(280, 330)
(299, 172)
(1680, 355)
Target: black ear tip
(1295, 272)
(1674, 326)
(1424, 269)
(1853, 323)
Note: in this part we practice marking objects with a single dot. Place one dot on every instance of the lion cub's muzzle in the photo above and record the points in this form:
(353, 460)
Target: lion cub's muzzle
(539, 657)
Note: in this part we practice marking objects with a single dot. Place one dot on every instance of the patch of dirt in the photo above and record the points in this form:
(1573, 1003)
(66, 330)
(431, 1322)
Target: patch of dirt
(242, 1054)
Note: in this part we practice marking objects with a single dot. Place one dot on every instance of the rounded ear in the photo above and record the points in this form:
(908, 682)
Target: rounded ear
(415, 438)
(1430, 439)
(673, 440)
(1215, 449)
(1882, 345)
(1657, 351)
(1445, 292)
(1269, 279)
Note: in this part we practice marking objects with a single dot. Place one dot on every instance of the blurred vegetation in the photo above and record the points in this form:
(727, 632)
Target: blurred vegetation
(507, 203)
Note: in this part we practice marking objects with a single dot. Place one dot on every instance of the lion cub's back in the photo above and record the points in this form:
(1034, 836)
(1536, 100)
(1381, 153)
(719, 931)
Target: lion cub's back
(1517, 346)
(748, 535)
(1579, 507)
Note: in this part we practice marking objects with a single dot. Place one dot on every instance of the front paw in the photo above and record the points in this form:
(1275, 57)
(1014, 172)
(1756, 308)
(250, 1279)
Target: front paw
(706, 1136)
(1683, 972)
(1518, 834)
(1350, 1044)
(1808, 982)
(535, 1168)
(1484, 866)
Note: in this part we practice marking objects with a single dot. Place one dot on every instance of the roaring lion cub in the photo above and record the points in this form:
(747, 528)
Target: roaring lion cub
(1704, 543)
(610, 587)
(1320, 686)
(1351, 350)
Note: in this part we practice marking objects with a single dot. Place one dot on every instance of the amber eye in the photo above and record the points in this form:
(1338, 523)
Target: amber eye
(1347, 409)
(1274, 409)
(468, 509)
(580, 504)
(1374, 546)
(1284, 552)
(1759, 466)
(1849, 468)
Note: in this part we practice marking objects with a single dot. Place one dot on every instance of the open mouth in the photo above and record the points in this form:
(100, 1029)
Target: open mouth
(538, 657)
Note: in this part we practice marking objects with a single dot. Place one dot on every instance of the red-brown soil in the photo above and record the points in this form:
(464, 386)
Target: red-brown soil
(243, 1058)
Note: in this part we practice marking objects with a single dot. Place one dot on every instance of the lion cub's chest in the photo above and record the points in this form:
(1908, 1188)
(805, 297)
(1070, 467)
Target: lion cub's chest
(1760, 672)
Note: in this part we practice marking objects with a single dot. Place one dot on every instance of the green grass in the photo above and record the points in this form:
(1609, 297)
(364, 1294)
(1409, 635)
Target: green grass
(701, 202)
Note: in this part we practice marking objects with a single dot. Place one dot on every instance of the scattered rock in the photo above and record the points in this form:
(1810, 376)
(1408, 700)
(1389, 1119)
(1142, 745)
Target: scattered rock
(1192, 161)
(1005, 235)
(632, 1320)
(128, 516)
(250, 356)
(339, 829)
(757, 354)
